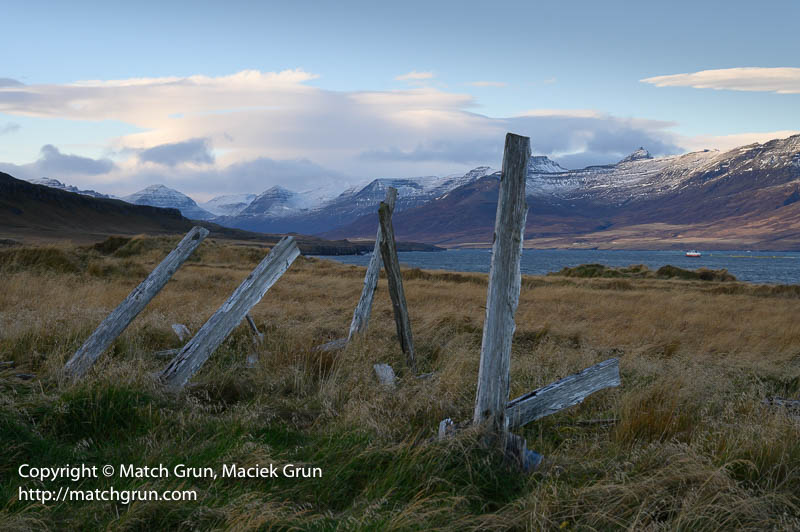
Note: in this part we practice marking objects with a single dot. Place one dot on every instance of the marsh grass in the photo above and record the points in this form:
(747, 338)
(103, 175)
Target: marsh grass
(693, 448)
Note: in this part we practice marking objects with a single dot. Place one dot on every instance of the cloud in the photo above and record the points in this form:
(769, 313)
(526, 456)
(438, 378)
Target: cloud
(196, 151)
(487, 83)
(273, 129)
(10, 127)
(782, 80)
(8, 82)
(53, 163)
(415, 76)
(728, 142)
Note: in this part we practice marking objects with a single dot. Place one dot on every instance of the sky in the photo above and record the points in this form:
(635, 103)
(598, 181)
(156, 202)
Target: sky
(229, 97)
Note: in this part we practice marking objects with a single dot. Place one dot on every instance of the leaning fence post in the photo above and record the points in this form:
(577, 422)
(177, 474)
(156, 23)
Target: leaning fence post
(392, 266)
(364, 307)
(131, 306)
(504, 285)
(195, 353)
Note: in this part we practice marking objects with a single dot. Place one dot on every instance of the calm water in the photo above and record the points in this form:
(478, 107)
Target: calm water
(756, 266)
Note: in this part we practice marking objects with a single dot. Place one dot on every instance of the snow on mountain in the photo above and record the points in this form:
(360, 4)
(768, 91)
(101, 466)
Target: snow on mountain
(55, 183)
(229, 204)
(640, 176)
(280, 210)
(540, 164)
(637, 155)
(161, 196)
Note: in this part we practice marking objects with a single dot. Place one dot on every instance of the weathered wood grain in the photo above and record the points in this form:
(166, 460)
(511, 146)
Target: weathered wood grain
(385, 374)
(123, 315)
(504, 285)
(195, 353)
(181, 331)
(562, 394)
(364, 307)
(391, 265)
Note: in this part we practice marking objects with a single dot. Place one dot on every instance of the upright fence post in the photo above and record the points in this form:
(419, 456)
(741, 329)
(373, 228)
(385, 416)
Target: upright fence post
(364, 307)
(195, 353)
(131, 306)
(392, 266)
(504, 286)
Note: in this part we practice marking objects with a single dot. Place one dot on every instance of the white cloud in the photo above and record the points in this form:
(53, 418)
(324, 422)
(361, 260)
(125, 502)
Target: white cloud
(487, 83)
(783, 80)
(728, 142)
(415, 76)
(249, 131)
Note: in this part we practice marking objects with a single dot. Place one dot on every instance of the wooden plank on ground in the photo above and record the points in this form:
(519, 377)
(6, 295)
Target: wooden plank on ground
(504, 285)
(195, 353)
(391, 265)
(123, 315)
(364, 307)
(562, 394)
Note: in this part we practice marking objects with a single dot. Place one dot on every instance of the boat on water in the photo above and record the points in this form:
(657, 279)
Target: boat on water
(693, 253)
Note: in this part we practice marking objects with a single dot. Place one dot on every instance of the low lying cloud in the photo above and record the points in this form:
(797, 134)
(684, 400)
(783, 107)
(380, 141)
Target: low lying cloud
(53, 163)
(783, 80)
(194, 151)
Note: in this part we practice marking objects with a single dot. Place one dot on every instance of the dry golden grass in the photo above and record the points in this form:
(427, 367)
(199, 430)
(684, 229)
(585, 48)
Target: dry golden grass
(693, 448)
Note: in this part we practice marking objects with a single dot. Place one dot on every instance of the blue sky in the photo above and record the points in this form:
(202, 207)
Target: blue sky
(335, 93)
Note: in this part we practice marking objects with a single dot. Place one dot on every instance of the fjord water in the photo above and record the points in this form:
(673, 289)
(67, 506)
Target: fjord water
(778, 267)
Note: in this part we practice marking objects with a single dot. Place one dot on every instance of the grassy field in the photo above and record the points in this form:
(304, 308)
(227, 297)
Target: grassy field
(692, 447)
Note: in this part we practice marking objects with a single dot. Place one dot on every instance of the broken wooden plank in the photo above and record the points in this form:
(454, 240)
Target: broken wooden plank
(123, 315)
(517, 452)
(385, 374)
(362, 312)
(195, 353)
(259, 337)
(391, 265)
(181, 331)
(504, 285)
(562, 394)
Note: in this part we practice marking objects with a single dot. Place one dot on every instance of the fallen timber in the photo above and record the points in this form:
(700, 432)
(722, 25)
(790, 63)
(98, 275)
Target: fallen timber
(119, 319)
(197, 351)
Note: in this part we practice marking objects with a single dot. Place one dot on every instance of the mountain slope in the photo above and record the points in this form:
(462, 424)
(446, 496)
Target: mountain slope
(228, 205)
(55, 183)
(743, 198)
(165, 197)
(32, 212)
(280, 210)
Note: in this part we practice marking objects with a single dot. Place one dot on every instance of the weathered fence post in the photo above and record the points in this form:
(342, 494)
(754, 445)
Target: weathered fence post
(364, 307)
(195, 353)
(504, 285)
(392, 267)
(562, 394)
(131, 306)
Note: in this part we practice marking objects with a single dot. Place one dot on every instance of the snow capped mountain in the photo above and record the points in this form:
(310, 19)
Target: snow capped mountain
(229, 204)
(540, 164)
(638, 155)
(281, 210)
(744, 197)
(55, 183)
(276, 201)
(161, 196)
(637, 175)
